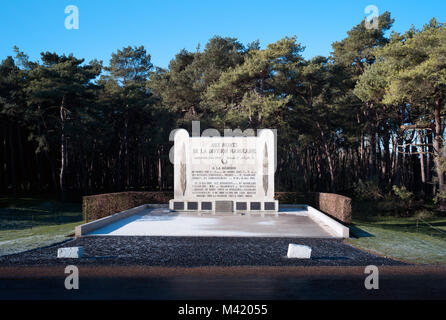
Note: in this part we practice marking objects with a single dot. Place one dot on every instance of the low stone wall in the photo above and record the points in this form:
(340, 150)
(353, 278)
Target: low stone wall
(335, 205)
(102, 222)
(336, 228)
(103, 205)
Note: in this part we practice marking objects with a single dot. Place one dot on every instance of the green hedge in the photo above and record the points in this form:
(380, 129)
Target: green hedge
(102, 205)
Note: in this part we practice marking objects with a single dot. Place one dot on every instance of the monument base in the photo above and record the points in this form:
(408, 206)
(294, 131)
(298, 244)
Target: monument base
(223, 206)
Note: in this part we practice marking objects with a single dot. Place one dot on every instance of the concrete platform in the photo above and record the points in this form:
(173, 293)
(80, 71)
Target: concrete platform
(290, 223)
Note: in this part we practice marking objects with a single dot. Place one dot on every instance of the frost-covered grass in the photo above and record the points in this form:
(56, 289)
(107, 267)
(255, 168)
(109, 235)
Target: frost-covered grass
(404, 238)
(28, 223)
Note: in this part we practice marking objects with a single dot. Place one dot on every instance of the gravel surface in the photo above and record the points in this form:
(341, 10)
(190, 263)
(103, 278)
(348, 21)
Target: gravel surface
(198, 251)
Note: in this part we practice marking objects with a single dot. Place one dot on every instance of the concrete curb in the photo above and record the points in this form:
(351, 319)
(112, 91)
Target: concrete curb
(324, 220)
(93, 225)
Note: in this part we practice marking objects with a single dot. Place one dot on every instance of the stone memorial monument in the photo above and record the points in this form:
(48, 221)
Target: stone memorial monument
(224, 174)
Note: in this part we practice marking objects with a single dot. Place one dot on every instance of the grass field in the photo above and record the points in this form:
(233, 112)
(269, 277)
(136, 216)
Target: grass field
(27, 223)
(417, 239)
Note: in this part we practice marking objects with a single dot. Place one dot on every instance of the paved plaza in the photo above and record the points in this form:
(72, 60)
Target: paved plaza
(288, 223)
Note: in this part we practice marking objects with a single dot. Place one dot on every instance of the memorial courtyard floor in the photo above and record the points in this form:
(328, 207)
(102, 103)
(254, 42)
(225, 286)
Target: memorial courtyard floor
(291, 223)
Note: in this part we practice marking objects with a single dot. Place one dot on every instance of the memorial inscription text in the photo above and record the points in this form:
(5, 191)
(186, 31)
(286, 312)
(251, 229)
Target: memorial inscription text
(223, 170)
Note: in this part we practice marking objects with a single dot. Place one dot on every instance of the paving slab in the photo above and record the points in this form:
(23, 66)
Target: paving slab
(162, 222)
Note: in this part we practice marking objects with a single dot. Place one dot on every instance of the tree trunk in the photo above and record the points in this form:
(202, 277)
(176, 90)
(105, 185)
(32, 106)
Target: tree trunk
(63, 151)
(319, 171)
(118, 173)
(5, 164)
(386, 158)
(24, 178)
(53, 173)
(126, 149)
(12, 159)
(398, 161)
(422, 165)
(39, 171)
(372, 148)
(437, 151)
(363, 156)
(159, 170)
(430, 163)
(329, 158)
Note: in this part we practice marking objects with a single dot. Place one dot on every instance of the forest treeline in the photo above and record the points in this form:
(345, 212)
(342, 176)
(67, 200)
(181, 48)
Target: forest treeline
(365, 119)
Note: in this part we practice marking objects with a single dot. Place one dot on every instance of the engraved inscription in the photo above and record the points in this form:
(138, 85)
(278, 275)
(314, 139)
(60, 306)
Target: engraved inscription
(224, 170)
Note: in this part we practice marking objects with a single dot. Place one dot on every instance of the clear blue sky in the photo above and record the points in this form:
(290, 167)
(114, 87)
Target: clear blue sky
(165, 27)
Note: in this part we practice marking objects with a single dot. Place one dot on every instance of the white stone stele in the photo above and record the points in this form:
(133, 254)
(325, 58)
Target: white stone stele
(229, 169)
(70, 252)
(298, 251)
